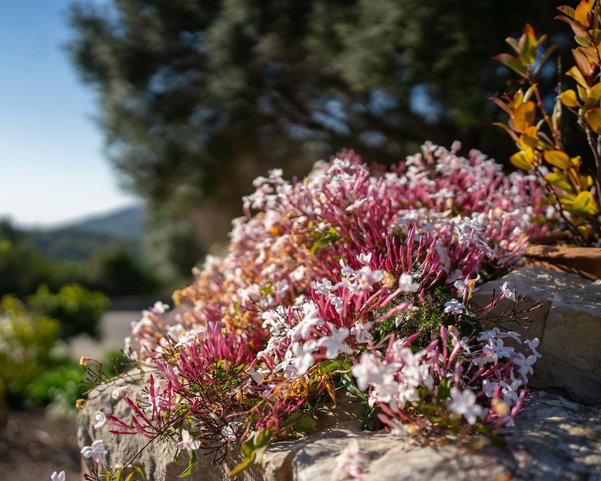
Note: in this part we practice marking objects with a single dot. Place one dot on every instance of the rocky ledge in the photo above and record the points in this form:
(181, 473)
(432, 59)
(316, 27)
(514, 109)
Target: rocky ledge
(554, 437)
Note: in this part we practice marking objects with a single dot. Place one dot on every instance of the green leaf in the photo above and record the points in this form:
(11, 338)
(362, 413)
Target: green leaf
(191, 463)
(139, 471)
(241, 467)
(512, 62)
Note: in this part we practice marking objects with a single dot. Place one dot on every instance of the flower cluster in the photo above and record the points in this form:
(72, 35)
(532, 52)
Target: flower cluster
(354, 278)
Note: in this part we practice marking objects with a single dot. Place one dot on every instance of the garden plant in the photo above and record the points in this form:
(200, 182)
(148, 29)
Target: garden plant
(537, 130)
(355, 279)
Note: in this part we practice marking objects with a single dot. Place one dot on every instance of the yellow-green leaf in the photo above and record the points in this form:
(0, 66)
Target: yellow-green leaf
(520, 160)
(512, 62)
(557, 158)
(569, 99)
(559, 179)
(584, 204)
(593, 117)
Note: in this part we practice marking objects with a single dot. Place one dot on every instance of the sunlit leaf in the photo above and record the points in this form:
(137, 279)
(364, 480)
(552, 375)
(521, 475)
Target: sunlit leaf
(528, 45)
(524, 115)
(577, 75)
(584, 204)
(582, 13)
(594, 94)
(593, 117)
(569, 99)
(560, 180)
(557, 158)
(520, 161)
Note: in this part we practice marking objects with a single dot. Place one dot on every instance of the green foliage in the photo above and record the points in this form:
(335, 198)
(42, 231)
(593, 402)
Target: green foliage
(59, 387)
(26, 342)
(77, 309)
(115, 272)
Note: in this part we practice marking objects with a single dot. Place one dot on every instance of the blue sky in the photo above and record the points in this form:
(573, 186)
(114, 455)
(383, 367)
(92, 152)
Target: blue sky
(52, 167)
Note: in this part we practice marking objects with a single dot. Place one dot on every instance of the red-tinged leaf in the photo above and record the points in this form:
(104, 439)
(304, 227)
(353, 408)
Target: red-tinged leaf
(512, 62)
(569, 99)
(513, 43)
(557, 158)
(567, 10)
(582, 61)
(593, 117)
(583, 41)
(524, 116)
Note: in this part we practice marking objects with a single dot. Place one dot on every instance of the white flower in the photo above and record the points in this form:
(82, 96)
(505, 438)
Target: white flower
(229, 432)
(310, 320)
(507, 292)
(188, 442)
(532, 345)
(361, 332)
(100, 420)
(335, 344)
(120, 391)
(406, 283)
(464, 403)
(58, 476)
(364, 258)
(453, 307)
(304, 356)
(367, 372)
(525, 364)
(160, 308)
(323, 287)
(94, 451)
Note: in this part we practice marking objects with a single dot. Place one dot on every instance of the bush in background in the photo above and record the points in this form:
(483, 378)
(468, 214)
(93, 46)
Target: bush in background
(78, 309)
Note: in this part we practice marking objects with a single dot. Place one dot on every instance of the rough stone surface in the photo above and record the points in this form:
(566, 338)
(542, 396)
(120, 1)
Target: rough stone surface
(554, 439)
(568, 324)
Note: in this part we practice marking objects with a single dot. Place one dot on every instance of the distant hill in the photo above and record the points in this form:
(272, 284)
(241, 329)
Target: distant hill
(125, 223)
(80, 240)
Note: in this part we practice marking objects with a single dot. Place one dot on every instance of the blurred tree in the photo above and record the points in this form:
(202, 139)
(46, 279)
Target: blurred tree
(199, 97)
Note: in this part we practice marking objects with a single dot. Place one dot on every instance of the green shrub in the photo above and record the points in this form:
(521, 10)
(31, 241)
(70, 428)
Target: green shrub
(26, 343)
(77, 309)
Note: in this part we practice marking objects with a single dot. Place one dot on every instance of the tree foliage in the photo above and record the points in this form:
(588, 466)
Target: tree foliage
(199, 97)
